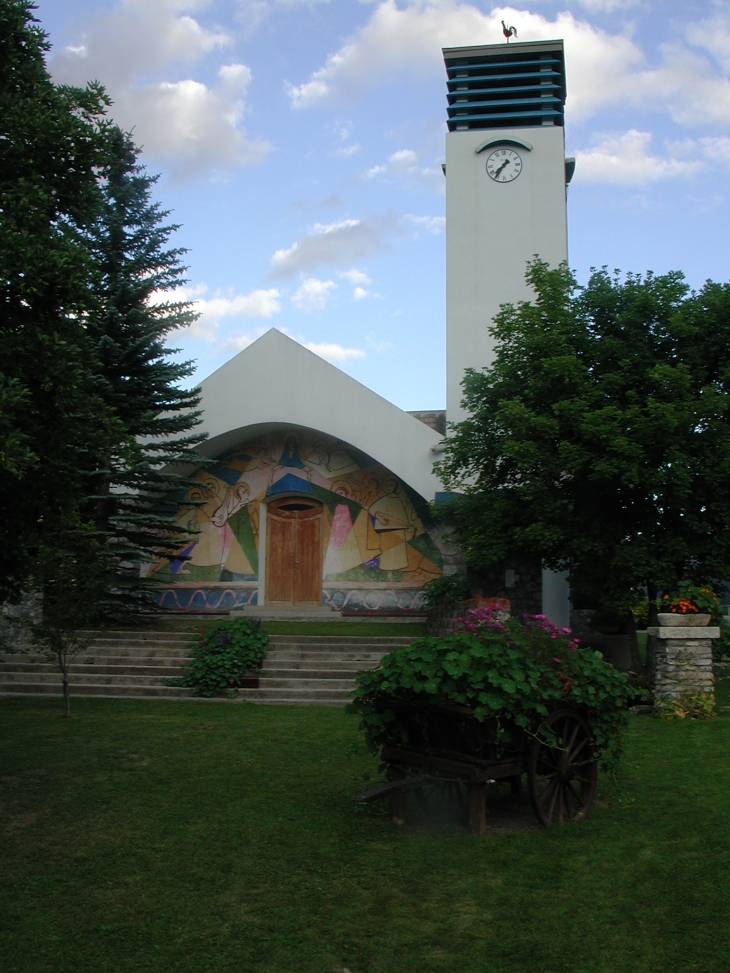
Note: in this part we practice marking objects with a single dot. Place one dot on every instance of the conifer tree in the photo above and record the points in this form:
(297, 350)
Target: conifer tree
(140, 493)
(54, 426)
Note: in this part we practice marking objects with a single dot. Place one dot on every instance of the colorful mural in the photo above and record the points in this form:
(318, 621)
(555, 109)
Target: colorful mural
(376, 530)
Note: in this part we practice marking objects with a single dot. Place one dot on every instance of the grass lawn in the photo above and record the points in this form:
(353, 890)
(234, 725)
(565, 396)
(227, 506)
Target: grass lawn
(165, 837)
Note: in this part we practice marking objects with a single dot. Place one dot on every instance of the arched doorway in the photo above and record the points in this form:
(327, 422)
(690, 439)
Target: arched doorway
(294, 551)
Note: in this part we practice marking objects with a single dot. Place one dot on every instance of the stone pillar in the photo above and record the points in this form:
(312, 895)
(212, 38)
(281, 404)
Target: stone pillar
(683, 656)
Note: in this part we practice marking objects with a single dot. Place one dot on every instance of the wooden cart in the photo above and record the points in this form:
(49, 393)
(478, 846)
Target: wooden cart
(448, 744)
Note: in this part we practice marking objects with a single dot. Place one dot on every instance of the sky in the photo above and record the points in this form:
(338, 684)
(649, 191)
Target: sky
(299, 145)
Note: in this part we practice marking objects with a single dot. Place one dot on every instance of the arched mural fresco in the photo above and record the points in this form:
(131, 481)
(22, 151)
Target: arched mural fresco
(377, 549)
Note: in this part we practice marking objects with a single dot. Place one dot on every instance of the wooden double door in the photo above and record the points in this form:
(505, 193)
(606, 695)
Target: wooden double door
(294, 552)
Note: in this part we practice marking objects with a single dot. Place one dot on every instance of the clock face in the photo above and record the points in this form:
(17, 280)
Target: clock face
(504, 165)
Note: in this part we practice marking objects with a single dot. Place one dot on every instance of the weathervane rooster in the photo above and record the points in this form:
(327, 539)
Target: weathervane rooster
(508, 31)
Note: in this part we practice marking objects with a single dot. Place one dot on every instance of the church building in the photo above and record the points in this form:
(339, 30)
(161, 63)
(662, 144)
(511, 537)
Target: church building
(322, 492)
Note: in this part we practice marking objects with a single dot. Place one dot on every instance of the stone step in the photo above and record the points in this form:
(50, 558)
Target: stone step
(81, 669)
(318, 665)
(386, 642)
(281, 655)
(143, 645)
(89, 678)
(306, 670)
(142, 657)
(131, 635)
(277, 682)
(97, 689)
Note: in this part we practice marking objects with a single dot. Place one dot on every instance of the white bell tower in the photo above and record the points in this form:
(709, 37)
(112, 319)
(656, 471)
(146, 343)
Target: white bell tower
(506, 177)
(506, 180)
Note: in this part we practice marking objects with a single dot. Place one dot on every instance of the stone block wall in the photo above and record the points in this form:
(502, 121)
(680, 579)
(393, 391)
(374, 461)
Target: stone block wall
(683, 661)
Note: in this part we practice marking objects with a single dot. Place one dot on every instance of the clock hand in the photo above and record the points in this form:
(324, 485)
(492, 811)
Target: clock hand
(505, 163)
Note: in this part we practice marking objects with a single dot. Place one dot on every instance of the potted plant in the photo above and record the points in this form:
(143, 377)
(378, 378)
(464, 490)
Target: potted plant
(691, 606)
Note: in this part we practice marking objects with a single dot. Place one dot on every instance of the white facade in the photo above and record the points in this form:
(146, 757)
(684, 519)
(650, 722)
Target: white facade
(492, 230)
(276, 383)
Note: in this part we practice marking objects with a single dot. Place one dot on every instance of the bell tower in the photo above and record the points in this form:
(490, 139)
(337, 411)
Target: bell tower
(506, 177)
(506, 180)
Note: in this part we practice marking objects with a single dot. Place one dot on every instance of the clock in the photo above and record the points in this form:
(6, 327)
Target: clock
(504, 165)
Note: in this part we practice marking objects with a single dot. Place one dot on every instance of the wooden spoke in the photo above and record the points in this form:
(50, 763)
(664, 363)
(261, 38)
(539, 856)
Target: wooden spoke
(560, 785)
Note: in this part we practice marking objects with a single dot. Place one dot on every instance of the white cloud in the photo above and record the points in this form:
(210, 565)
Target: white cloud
(312, 294)
(257, 304)
(403, 164)
(601, 66)
(334, 243)
(429, 224)
(355, 276)
(333, 352)
(712, 35)
(606, 6)
(342, 132)
(238, 342)
(184, 123)
(626, 159)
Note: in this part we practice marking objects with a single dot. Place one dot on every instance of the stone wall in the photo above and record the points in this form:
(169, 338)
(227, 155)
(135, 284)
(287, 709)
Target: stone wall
(683, 661)
(16, 621)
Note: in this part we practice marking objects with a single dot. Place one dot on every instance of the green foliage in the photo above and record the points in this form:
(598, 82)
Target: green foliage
(690, 598)
(688, 706)
(449, 589)
(139, 491)
(640, 611)
(599, 439)
(55, 429)
(223, 655)
(514, 672)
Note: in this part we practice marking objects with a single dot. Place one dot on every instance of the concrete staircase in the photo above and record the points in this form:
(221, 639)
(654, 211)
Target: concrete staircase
(317, 669)
(298, 669)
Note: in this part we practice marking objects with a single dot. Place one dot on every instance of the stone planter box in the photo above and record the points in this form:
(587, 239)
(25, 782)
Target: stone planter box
(674, 620)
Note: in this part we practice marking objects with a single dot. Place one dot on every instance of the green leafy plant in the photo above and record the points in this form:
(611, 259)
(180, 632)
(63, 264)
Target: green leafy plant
(223, 655)
(640, 612)
(689, 706)
(515, 672)
(446, 590)
(690, 599)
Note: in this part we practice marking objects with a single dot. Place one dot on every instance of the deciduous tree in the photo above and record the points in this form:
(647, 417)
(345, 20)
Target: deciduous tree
(599, 438)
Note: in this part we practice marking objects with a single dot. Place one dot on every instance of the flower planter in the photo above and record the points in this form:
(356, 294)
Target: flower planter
(675, 620)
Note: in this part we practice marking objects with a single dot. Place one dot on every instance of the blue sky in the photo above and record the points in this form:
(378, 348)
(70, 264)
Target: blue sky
(300, 143)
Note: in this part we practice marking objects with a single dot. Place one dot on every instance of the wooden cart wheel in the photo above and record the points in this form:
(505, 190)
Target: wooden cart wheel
(561, 777)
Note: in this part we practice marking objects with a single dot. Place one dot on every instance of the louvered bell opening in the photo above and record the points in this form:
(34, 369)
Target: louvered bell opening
(505, 86)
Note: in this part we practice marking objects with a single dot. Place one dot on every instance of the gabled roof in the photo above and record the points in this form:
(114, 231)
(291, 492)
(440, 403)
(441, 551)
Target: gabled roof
(276, 383)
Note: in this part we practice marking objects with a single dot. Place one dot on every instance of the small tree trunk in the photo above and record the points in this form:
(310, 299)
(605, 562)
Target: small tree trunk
(636, 663)
(650, 664)
(63, 662)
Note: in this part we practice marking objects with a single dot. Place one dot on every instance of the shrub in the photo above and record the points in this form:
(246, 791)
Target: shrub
(446, 590)
(223, 655)
(689, 706)
(513, 671)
